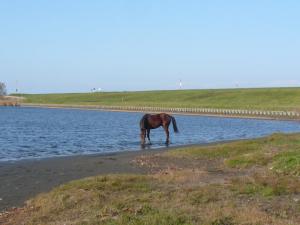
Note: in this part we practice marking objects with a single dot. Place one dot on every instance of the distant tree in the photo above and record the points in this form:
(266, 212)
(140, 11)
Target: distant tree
(2, 89)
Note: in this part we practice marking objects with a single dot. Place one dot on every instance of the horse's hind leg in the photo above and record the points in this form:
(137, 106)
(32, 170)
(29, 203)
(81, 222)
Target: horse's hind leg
(143, 136)
(166, 128)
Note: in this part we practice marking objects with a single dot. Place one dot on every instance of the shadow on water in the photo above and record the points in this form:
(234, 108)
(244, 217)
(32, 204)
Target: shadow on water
(152, 145)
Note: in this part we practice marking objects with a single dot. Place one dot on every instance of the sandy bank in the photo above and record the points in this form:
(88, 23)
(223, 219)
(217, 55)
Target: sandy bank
(21, 180)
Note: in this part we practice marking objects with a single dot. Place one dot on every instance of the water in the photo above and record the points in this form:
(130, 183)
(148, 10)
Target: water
(28, 133)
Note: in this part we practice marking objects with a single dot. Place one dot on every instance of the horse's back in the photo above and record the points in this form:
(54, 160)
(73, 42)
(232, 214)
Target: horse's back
(164, 116)
(152, 121)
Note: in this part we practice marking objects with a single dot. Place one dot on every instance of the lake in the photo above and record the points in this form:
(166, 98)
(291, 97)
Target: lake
(33, 133)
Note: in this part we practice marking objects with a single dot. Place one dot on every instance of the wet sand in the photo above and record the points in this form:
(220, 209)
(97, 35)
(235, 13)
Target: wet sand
(24, 179)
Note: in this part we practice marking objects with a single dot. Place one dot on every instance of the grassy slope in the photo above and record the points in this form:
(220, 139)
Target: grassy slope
(278, 152)
(265, 190)
(264, 98)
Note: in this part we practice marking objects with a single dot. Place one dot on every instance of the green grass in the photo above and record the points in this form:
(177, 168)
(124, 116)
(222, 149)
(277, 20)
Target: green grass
(280, 152)
(253, 188)
(256, 98)
(288, 162)
(277, 156)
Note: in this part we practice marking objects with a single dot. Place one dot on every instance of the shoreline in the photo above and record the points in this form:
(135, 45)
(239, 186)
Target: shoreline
(23, 179)
(101, 108)
(147, 148)
(27, 178)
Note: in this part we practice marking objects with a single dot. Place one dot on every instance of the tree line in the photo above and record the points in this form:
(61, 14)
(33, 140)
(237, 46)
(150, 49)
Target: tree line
(3, 90)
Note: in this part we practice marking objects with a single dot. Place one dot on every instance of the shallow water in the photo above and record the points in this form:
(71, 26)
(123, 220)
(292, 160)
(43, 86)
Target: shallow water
(28, 133)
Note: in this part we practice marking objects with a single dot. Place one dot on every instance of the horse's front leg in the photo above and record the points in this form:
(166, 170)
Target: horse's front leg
(148, 136)
(143, 136)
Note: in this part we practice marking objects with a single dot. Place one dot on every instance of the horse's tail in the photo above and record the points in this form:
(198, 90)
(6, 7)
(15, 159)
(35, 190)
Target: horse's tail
(174, 125)
(143, 122)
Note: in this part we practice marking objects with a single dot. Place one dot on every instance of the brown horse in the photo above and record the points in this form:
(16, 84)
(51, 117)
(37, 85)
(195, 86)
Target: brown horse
(149, 122)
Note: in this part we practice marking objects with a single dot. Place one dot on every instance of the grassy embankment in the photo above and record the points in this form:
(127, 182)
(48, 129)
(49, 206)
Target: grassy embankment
(243, 182)
(256, 98)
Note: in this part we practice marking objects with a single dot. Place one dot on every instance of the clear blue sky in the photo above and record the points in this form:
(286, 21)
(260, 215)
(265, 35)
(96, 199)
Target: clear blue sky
(73, 46)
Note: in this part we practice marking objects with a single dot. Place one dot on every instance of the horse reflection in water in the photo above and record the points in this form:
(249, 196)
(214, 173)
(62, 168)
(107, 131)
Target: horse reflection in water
(149, 122)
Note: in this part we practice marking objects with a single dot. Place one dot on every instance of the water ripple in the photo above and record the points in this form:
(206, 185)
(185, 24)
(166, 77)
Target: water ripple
(37, 133)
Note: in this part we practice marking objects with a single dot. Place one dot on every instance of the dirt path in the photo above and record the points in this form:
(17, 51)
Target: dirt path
(200, 170)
